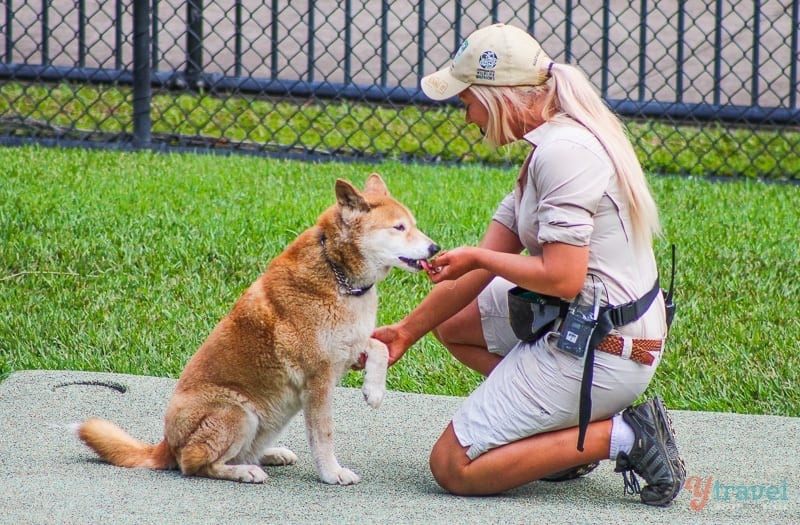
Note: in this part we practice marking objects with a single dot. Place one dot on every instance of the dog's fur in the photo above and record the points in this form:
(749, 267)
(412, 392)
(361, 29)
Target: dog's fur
(285, 345)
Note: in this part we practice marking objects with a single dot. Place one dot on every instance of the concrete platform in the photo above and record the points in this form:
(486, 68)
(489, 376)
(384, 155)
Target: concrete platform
(748, 464)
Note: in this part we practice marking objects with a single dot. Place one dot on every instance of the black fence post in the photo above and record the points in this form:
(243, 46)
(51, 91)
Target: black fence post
(119, 39)
(794, 85)
(194, 43)
(7, 28)
(141, 73)
(44, 46)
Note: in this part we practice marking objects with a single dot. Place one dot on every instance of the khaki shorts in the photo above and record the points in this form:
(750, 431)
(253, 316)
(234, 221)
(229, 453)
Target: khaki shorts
(536, 387)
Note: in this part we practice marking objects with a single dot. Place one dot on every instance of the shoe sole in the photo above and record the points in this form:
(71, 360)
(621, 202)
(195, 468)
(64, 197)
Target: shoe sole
(666, 425)
(677, 468)
(572, 473)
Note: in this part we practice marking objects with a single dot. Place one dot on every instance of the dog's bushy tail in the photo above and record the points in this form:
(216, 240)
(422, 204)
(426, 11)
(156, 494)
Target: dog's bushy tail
(115, 446)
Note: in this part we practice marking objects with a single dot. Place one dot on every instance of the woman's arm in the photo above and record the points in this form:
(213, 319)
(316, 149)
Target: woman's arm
(446, 298)
(559, 271)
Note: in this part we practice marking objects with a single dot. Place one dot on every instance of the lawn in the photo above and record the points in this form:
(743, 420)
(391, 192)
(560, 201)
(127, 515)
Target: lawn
(123, 262)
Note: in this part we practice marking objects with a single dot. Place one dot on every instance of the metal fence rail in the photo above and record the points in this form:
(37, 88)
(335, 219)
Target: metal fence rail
(728, 62)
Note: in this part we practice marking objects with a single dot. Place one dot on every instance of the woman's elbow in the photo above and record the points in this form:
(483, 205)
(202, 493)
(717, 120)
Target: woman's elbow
(569, 288)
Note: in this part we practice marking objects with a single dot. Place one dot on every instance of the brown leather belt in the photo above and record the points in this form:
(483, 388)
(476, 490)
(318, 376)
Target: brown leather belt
(639, 349)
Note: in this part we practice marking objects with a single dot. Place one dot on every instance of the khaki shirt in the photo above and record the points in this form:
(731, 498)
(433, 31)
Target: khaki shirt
(568, 192)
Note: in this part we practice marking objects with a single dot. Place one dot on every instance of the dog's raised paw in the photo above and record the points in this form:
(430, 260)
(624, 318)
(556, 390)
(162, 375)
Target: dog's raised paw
(373, 394)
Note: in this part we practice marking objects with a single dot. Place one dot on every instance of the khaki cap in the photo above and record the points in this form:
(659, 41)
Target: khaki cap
(497, 55)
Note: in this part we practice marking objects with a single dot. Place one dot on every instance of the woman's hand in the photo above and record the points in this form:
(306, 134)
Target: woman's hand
(395, 339)
(451, 265)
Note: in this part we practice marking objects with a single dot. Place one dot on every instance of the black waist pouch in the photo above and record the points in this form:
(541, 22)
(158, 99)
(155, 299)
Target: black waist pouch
(531, 314)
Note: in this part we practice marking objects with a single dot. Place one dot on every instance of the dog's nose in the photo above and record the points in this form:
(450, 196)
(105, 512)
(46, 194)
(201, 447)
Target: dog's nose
(433, 249)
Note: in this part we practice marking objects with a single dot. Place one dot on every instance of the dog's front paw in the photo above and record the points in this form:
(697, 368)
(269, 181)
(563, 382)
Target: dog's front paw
(342, 476)
(348, 477)
(373, 393)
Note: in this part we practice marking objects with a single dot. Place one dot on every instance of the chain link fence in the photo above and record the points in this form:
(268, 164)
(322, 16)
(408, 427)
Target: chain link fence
(704, 87)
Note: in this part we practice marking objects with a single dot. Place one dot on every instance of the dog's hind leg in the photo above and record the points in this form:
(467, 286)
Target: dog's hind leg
(278, 457)
(220, 438)
(265, 451)
(374, 387)
(319, 428)
(241, 473)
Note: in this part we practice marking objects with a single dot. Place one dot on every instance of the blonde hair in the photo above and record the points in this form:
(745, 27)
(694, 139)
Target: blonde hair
(570, 97)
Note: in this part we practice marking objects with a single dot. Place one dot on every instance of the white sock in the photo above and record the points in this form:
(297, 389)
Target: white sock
(622, 437)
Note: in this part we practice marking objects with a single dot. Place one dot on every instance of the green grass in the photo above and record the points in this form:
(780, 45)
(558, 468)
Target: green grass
(387, 131)
(123, 262)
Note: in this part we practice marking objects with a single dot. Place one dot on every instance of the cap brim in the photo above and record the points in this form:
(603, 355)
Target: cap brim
(442, 85)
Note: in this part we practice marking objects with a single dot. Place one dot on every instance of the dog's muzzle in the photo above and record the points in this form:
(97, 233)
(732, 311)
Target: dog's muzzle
(416, 264)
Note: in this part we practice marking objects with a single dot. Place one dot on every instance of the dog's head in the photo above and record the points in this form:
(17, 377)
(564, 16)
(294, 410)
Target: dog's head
(382, 230)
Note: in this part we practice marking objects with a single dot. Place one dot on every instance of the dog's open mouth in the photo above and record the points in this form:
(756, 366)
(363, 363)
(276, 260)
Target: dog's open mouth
(419, 264)
(414, 264)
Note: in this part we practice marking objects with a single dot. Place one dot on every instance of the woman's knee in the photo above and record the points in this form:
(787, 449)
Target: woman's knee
(463, 328)
(448, 461)
(444, 332)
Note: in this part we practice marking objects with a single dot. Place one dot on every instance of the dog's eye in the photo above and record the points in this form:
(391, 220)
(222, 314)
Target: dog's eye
(400, 227)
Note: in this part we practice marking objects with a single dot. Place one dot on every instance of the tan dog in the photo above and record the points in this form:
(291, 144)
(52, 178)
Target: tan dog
(286, 344)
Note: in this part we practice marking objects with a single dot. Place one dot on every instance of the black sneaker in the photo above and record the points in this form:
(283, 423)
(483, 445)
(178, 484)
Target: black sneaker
(572, 473)
(654, 455)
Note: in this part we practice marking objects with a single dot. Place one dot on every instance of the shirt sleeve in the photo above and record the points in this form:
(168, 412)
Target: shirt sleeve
(570, 180)
(505, 213)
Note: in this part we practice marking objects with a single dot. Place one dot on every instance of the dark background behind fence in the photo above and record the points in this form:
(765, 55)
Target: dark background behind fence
(169, 73)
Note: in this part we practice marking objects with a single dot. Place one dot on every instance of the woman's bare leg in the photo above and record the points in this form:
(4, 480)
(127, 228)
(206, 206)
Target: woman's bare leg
(462, 335)
(516, 463)
(513, 464)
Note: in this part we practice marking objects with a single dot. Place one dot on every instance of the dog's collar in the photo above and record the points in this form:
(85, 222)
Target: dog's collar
(345, 286)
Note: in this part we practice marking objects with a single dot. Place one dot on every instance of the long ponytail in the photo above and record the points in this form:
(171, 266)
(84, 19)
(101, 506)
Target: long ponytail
(573, 95)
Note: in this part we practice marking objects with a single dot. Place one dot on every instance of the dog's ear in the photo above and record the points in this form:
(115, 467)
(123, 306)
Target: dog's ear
(349, 198)
(376, 185)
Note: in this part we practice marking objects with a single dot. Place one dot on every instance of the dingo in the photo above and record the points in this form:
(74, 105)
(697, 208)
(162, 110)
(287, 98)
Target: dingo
(286, 344)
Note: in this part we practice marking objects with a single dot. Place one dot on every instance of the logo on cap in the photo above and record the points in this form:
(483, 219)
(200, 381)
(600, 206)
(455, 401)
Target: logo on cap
(487, 60)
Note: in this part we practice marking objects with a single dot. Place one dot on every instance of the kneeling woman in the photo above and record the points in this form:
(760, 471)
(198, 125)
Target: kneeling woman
(582, 211)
